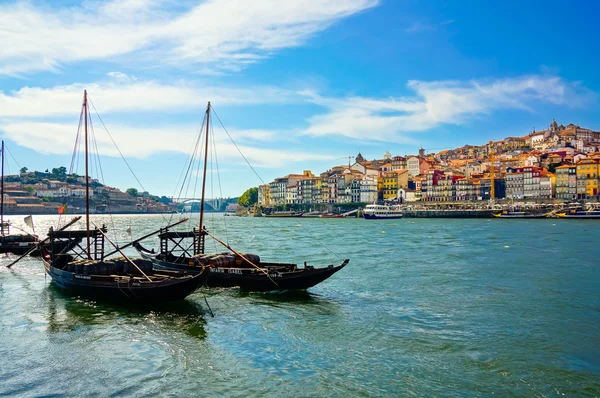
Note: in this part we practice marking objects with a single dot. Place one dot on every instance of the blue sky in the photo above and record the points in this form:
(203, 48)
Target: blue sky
(298, 84)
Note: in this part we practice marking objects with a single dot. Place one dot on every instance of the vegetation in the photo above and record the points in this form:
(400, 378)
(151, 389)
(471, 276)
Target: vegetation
(133, 192)
(23, 170)
(249, 198)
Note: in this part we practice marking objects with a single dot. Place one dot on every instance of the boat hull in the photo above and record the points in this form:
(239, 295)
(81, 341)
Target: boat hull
(251, 279)
(381, 217)
(19, 248)
(527, 216)
(580, 216)
(123, 288)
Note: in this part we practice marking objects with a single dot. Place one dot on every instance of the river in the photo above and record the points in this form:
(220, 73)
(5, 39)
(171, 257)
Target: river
(426, 307)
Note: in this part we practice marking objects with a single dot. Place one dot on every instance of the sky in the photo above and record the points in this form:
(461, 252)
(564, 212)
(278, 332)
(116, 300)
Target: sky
(298, 85)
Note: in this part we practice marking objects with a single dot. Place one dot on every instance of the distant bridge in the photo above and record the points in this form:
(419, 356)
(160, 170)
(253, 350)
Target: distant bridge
(214, 203)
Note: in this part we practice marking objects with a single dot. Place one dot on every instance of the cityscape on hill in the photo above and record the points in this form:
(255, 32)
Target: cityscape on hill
(57, 192)
(560, 163)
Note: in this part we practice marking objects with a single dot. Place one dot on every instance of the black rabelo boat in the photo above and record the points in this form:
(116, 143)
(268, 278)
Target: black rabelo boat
(13, 243)
(76, 261)
(184, 252)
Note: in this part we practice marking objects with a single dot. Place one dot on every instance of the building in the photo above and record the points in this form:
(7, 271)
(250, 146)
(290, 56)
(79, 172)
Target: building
(566, 182)
(413, 166)
(392, 182)
(588, 178)
(264, 195)
(278, 188)
(368, 190)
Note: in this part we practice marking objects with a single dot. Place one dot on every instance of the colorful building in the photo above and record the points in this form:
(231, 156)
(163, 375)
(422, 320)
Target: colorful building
(588, 178)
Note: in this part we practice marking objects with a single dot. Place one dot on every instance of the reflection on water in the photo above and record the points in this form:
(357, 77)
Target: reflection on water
(68, 313)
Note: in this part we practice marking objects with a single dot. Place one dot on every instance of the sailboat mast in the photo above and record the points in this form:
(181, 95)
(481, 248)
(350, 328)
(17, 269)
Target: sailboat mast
(87, 179)
(2, 193)
(204, 177)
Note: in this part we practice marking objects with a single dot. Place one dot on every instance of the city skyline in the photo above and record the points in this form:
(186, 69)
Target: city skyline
(299, 85)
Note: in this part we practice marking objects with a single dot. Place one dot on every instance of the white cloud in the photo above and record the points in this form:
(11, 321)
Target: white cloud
(437, 103)
(224, 34)
(139, 142)
(127, 94)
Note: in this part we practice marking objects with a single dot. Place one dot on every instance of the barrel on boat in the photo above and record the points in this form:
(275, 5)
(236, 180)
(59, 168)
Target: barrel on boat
(222, 260)
(253, 258)
(199, 259)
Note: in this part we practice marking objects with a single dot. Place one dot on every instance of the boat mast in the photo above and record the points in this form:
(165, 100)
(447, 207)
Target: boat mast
(2, 194)
(204, 178)
(87, 182)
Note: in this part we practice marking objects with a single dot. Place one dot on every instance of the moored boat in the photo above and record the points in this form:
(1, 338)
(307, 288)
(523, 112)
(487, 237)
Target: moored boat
(184, 251)
(382, 212)
(520, 214)
(76, 261)
(228, 270)
(283, 214)
(592, 211)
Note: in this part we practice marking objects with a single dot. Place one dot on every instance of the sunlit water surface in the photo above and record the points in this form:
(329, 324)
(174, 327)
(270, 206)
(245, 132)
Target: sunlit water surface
(425, 308)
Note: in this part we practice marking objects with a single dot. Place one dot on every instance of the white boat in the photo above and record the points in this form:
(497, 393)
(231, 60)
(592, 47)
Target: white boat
(382, 212)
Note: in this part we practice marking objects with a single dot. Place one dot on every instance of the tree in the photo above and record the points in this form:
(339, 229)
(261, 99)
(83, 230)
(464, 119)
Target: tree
(249, 198)
(23, 170)
(133, 192)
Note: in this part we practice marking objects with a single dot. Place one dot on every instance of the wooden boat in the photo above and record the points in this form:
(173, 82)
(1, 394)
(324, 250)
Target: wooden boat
(331, 215)
(227, 270)
(283, 214)
(76, 261)
(13, 243)
(184, 252)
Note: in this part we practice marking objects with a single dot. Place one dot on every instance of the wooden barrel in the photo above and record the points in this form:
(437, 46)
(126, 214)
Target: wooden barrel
(200, 259)
(222, 260)
(254, 258)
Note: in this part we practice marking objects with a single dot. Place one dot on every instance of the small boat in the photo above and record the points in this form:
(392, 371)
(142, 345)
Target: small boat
(331, 215)
(382, 212)
(184, 252)
(76, 261)
(13, 243)
(520, 214)
(591, 211)
(283, 214)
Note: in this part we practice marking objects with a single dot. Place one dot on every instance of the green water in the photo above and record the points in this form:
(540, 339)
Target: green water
(425, 308)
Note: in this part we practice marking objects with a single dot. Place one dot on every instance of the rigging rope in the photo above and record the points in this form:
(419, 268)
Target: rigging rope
(13, 158)
(118, 150)
(236, 147)
(318, 240)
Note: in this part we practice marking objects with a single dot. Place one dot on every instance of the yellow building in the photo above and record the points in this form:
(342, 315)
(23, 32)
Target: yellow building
(392, 181)
(264, 195)
(588, 178)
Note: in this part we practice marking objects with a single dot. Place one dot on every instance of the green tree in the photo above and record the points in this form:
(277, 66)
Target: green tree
(249, 198)
(133, 192)
(24, 170)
